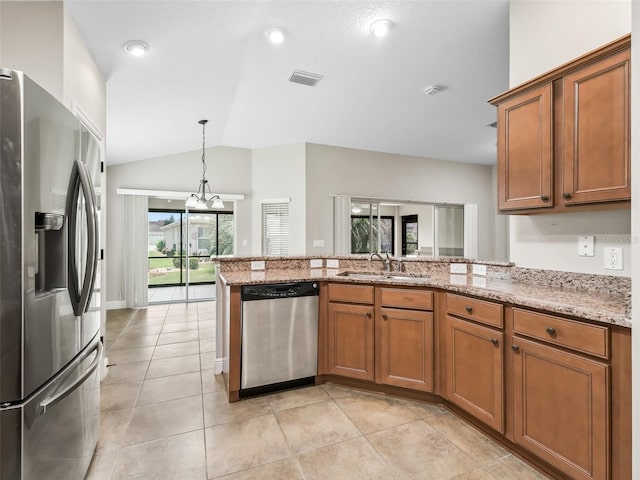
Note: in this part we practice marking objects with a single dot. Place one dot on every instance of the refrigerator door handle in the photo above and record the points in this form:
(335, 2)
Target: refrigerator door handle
(53, 400)
(80, 181)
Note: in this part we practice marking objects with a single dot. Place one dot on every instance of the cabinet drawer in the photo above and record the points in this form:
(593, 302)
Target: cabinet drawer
(340, 292)
(474, 309)
(583, 337)
(406, 298)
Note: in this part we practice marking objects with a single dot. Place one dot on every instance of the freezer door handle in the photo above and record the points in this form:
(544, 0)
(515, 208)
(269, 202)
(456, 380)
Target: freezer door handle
(80, 181)
(51, 401)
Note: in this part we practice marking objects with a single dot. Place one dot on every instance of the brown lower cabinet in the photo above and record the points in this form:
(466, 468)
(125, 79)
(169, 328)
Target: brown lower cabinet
(561, 408)
(475, 370)
(350, 344)
(406, 346)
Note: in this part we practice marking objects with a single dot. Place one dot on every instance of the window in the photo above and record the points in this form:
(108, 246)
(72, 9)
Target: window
(275, 228)
(409, 234)
(364, 234)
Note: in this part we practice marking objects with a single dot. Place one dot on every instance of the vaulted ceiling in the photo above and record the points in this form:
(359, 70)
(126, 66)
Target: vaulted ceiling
(211, 59)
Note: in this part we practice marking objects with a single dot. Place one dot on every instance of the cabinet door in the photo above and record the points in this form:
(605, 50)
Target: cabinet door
(474, 370)
(406, 348)
(525, 178)
(597, 133)
(561, 409)
(350, 340)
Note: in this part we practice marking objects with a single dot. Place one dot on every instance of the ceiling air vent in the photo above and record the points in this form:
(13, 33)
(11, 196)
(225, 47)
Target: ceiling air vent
(305, 78)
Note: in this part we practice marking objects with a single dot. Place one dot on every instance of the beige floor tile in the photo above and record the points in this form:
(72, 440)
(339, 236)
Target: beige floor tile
(316, 425)
(424, 409)
(372, 413)
(286, 469)
(212, 383)
(183, 318)
(207, 360)
(206, 324)
(130, 355)
(178, 337)
(173, 366)
(127, 340)
(144, 329)
(164, 419)
(512, 468)
(113, 426)
(350, 460)
(240, 445)
(178, 457)
(218, 411)
(297, 398)
(207, 345)
(126, 372)
(119, 396)
(337, 391)
(162, 389)
(137, 321)
(418, 451)
(207, 333)
(179, 327)
(102, 465)
(477, 474)
(468, 439)
(176, 350)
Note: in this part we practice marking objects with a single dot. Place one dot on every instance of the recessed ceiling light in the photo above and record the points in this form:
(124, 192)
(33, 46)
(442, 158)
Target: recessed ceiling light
(275, 35)
(136, 48)
(381, 28)
(433, 89)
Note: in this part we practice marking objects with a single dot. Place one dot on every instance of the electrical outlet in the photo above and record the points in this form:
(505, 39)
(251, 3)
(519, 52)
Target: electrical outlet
(257, 265)
(315, 263)
(613, 258)
(333, 263)
(458, 268)
(479, 269)
(585, 246)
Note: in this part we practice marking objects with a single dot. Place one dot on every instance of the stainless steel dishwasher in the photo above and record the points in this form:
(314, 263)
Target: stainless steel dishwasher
(279, 336)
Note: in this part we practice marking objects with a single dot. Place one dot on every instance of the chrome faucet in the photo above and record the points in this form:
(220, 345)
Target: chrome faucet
(386, 261)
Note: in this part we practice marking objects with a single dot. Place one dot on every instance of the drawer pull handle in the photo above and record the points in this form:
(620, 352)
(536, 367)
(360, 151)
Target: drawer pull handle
(494, 341)
(544, 198)
(551, 331)
(384, 316)
(515, 348)
(566, 196)
(368, 314)
(469, 310)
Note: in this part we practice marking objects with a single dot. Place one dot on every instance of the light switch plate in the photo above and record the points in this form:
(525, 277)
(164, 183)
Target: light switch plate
(315, 263)
(458, 267)
(257, 265)
(585, 246)
(333, 263)
(318, 243)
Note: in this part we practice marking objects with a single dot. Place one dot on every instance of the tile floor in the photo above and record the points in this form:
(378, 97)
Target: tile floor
(165, 416)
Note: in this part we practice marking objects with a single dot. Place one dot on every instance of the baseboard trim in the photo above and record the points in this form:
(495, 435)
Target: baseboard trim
(219, 365)
(116, 305)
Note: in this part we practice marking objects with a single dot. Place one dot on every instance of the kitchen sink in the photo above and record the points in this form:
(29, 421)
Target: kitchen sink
(382, 276)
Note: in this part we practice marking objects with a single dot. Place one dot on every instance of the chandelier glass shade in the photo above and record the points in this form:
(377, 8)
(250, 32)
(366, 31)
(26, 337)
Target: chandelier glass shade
(204, 198)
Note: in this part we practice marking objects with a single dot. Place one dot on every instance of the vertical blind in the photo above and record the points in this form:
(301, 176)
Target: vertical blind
(275, 228)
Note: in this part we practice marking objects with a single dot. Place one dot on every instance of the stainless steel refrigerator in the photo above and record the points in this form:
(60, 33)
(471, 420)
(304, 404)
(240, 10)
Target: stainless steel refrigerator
(50, 347)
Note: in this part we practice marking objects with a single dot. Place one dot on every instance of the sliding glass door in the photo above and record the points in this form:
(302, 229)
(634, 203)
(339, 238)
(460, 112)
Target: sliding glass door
(182, 248)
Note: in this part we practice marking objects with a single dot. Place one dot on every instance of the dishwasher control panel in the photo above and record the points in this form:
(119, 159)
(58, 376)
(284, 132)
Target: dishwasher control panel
(279, 290)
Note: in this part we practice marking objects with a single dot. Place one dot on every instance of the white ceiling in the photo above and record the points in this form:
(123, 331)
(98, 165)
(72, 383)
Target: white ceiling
(211, 59)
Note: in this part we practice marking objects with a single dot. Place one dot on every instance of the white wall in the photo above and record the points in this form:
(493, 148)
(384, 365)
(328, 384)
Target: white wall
(544, 35)
(635, 229)
(359, 173)
(279, 172)
(229, 171)
(31, 40)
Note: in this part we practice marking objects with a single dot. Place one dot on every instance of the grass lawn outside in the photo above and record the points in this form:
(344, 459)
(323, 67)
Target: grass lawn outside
(206, 272)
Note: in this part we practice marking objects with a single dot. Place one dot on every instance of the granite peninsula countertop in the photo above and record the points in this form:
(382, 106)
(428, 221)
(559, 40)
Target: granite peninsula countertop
(587, 304)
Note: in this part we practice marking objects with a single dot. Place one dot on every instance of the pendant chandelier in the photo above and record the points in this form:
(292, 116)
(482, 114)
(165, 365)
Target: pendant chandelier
(204, 199)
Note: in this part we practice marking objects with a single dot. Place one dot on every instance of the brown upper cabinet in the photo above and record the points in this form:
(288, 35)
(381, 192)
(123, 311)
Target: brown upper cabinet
(564, 137)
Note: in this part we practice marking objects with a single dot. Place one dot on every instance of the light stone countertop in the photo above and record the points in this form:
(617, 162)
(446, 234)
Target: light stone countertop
(585, 304)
